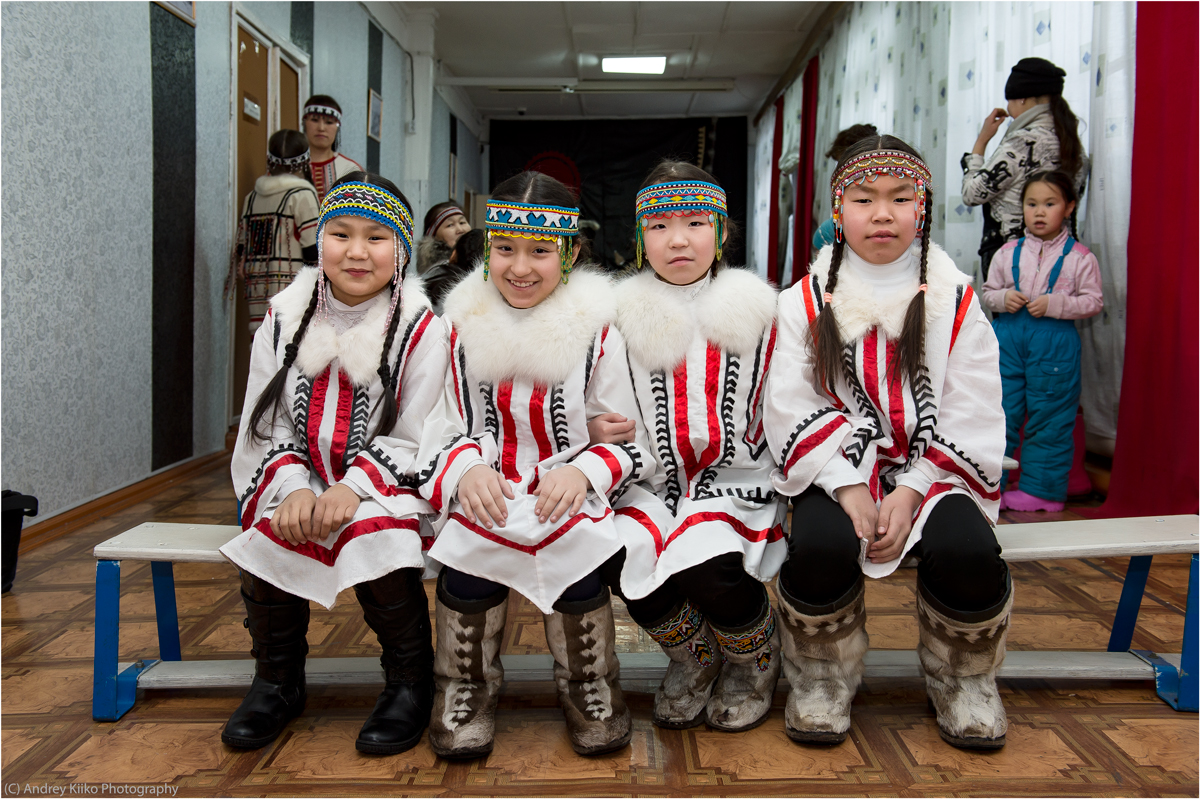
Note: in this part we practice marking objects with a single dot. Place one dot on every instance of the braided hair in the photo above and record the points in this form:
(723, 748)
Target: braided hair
(825, 337)
(271, 399)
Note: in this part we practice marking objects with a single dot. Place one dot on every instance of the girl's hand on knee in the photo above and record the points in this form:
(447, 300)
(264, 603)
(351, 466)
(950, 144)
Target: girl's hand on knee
(895, 524)
(1038, 307)
(860, 507)
(561, 491)
(292, 520)
(610, 428)
(1014, 301)
(333, 509)
(482, 493)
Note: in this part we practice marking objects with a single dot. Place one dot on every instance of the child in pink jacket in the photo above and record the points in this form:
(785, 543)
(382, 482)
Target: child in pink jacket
(1037, 286)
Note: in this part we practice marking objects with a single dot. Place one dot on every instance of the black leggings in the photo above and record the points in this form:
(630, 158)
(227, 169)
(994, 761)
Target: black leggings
(960, 557)
(719, 587)
(461, 585)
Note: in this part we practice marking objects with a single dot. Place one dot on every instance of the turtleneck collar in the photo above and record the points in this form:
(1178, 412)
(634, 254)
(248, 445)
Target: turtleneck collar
(343, 316)
(899, 276)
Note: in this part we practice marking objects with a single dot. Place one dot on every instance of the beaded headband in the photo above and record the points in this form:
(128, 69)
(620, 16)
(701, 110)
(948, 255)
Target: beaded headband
(379, 205)
(296, 160)
(532, 221)
(442, 217)
(323, 110)
(680, 198)
(871, 165)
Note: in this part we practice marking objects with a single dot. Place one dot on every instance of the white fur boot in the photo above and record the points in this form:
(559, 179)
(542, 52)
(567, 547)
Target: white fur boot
(745, 689)
(960, 660)
(823, 650)
(695, 663)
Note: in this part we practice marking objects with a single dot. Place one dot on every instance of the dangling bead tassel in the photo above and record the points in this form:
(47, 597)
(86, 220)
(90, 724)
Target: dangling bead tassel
(319, 314)
(718, 229)
(487, 255)
(396, 289)
(641, 244)
(564, 258)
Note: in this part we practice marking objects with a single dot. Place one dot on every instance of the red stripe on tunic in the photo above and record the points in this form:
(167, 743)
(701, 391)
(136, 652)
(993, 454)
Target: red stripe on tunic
(328, 555)
(268, 475)
(436, 499)
(770, 535)
(943, 461)
(806, 292)
(380, 485)
(870, 361)
(316, 411)
(341, 427)
(934, 490)
(712, 374)
(645, 521)
(537, 420)
(811, 442)
(508, 451)
(895, 389)
(963, 307)
(527, 548)
(454, 370)
(683, 440)
(614, 466)
(412, 345)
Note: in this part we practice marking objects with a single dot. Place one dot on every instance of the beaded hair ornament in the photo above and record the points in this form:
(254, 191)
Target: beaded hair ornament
(869, 166)
(532, 221)
(679, 198)
(290, 163)
(323, 110)
(379, 205)
(442, 217)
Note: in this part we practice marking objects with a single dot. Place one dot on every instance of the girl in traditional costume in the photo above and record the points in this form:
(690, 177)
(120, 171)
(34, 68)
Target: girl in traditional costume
(534, 356)
(341, 448)
(883, 411)
(703, 536)
(1037, 287)
(323, 127)
(444, 224)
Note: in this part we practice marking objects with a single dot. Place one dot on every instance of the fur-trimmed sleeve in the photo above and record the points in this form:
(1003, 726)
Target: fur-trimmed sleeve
(265, 472)
(612, 468)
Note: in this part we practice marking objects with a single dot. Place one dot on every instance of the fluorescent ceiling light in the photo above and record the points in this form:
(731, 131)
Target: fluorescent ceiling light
(644, 65)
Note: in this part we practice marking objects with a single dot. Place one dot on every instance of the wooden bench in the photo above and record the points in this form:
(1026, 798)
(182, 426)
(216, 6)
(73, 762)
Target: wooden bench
(115, 684)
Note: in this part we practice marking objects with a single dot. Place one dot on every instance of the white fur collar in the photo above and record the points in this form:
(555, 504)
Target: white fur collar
(359, 349)
(658, 323)
(857, 310)
(543, 343)
(277, 184)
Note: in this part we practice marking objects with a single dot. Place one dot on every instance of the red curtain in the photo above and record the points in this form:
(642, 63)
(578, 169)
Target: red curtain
(773, 265)
(1155, 463)
(804, 204)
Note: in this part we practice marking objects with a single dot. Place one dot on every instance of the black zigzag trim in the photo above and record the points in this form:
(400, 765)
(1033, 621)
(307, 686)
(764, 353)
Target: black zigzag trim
(262, 467)
(587, 364)
(558, 418)
(755, 451)
(728, 399)
(277, 331)
(662, 437)
(422, 477)
(491, 422)
(464, 391)
(380, 457)
(862, 438)
(800, 428)
(962, 456)
(304, 387)
(927, 416)
(634, 473)
(398, 364)
(360, 417)
(758, 496)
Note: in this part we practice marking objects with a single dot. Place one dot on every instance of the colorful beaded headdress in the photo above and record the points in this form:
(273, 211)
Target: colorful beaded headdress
(323, 110)
(532, 221)
(294, 161)
(378, 205)
(679, 198)
(442, 217)
(871, 165)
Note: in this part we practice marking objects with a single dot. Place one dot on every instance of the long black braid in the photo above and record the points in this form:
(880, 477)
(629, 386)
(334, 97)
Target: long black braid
(824, 335)
(910, 349)
(272, 396)
(388, 418)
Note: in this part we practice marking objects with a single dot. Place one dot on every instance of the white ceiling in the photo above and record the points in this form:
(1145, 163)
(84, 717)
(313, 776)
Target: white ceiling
(741, 48)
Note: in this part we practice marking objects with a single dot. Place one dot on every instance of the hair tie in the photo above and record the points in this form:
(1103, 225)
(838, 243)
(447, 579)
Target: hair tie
(827, 297)
(923, 287)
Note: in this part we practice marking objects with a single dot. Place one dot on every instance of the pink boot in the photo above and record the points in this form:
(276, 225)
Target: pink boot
(1019, 500)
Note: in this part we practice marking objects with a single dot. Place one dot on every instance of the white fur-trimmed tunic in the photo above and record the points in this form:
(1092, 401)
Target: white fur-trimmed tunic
(332, 401)
(698, 367)
(942, 435)
(526, 382)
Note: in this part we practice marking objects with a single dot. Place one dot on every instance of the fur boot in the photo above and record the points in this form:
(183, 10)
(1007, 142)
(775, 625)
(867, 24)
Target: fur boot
(467, 673)
(823, 650)
(742, 696)
(959, 660)
(587, 673)
(695, 663)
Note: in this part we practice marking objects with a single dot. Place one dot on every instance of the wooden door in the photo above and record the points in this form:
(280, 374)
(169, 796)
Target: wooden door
(289, 97)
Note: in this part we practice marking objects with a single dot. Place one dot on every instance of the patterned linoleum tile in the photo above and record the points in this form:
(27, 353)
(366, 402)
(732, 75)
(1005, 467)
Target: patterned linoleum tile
(1163, 749)
(323, 751)
(23, 605)
(146, 752)
(46, 690)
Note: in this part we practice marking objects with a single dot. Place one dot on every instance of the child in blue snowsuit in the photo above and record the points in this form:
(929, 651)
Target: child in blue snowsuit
(1037, 286)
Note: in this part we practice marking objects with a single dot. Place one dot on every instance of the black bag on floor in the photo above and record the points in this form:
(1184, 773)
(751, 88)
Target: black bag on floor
(14, 507)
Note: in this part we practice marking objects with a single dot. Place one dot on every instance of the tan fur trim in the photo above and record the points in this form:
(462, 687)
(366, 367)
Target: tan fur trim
(543, 343)
(733, 312)
(857, 310)
(431, 252)
(277, 184)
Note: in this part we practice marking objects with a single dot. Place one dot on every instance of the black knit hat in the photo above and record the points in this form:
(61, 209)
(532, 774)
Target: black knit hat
(1034, 77)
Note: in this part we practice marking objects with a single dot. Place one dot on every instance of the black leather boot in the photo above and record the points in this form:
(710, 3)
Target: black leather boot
(278, 624)
(395, 607)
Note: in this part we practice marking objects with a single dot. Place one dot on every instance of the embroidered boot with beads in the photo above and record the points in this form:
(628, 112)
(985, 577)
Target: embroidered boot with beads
(695, 663)
(743, 693)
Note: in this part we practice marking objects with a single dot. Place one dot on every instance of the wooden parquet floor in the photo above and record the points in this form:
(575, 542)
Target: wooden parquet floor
(1065, 739)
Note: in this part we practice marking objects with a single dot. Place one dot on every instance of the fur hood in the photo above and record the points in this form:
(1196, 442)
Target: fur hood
(359, 349)
(733, 312)
(278, 184)
(431, 252)
(543, 343)
(857, 310)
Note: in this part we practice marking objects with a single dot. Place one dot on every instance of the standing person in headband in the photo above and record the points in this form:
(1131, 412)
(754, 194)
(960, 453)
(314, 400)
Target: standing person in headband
(444, 224)
(342, 446)
(277, 234)
(323, 127)
(883, 411)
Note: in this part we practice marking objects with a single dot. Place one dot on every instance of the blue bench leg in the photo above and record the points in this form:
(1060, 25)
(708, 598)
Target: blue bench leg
(165, 611)
(113, 693)
(1177, 687)
(1131, 603)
